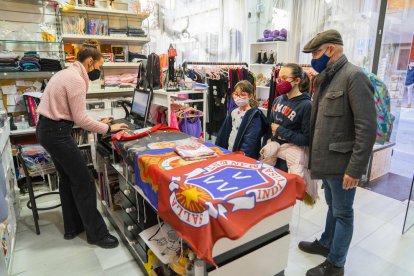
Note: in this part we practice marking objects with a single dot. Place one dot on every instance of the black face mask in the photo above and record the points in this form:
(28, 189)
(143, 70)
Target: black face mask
(94, 74)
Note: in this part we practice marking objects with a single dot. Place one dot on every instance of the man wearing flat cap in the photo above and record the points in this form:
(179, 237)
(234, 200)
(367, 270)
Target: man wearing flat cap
(343, 131)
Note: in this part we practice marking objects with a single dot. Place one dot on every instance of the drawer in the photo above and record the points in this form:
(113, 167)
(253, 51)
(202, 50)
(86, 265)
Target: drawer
(126, 189)
(131, 229)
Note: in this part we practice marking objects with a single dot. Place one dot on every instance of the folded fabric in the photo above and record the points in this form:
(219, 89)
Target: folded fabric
(194, 151)
(8, 54)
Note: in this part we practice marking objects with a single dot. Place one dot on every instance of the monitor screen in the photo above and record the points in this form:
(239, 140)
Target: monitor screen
(139, 104)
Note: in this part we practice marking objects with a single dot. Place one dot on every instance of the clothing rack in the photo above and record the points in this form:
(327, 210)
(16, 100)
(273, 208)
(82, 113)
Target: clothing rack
(185, 63)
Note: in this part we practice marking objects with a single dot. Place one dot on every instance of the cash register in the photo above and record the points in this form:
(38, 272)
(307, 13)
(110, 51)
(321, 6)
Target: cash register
(136, 118)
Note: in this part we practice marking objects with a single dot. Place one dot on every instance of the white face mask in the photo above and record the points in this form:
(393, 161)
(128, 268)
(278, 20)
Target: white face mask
(241, 102)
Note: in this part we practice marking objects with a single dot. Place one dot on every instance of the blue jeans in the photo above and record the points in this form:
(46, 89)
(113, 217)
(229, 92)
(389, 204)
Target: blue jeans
(339, 220)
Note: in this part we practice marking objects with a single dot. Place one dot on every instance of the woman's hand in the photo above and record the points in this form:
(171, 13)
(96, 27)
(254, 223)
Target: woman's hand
(274, 128)
(118, 127)
(107, 120)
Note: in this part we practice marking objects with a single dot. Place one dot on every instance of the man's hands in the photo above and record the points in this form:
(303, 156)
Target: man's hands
(349, 182)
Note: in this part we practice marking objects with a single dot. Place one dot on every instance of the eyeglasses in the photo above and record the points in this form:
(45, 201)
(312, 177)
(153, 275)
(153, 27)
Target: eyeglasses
(316, 52)
(279, 79)
(240, 94)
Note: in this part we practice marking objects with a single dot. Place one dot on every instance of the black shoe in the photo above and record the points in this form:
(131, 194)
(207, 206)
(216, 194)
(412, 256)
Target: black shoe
(326, 269)
(72, 235)
(314, 248)
(264, 59)
(259, 57)
(271, 59)
(107, 242)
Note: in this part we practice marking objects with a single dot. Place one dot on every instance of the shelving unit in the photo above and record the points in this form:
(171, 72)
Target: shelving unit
(164, 98)
(280, 50)
(9, 201)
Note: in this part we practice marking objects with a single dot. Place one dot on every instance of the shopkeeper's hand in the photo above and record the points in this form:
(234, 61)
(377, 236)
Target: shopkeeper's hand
(107, 120)
(349, 182)
(274, 128)
(118, 127)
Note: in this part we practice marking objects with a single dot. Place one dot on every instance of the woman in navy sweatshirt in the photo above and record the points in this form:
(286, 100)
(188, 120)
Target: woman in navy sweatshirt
(291, 111)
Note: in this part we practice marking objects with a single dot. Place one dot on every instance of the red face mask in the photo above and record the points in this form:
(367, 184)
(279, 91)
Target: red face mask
(283, 87)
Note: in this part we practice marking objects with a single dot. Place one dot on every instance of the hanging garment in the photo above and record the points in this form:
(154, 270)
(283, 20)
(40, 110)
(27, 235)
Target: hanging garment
(174, 121)
(191, 126)
(216, 105)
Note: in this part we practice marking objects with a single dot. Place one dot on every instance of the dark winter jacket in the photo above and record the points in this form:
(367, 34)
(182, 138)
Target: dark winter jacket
(293, 118)
(343, 122)
(249, 135)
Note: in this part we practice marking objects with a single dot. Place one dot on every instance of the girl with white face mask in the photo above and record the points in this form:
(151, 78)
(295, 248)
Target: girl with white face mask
(244, 127)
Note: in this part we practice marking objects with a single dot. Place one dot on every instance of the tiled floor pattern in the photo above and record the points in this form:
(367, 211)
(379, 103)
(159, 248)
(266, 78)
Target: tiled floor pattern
(378, 248)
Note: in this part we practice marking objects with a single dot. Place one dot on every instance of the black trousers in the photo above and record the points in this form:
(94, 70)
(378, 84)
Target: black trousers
(77, 191)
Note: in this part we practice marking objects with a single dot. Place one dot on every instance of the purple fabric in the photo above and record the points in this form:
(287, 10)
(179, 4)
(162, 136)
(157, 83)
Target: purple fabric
(191, 126)
(267, 33)
(275, 33)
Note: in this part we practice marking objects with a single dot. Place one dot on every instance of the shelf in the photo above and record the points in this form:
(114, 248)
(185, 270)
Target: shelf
(31, 42)
(111, 90)
(105, 38)
(115, 64)
(266, 43)
(262, 65)
(25, 75)
(153, 245)
(161, 96)
(262, 87)
(30, 130)
(79, 9)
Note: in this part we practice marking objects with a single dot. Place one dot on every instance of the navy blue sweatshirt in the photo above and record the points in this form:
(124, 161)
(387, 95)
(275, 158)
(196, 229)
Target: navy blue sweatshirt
(293, 116)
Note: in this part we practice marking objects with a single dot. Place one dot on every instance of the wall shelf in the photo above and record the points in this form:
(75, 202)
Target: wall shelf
(262, 65)
(115, 64)
(30, 42)
(79, 9)
(106, 38)
(266, 43)
(26, 75)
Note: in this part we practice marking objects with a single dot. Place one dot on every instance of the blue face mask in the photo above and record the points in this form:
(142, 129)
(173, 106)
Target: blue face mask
(319, 64)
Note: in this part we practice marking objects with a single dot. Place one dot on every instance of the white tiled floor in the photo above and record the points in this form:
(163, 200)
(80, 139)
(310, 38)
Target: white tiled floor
(378, 248)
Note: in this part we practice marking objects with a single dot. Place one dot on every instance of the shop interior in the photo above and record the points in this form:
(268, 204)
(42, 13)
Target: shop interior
(200, 49)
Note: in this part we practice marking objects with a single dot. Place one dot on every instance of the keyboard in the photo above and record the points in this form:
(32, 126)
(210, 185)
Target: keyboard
(125, 121)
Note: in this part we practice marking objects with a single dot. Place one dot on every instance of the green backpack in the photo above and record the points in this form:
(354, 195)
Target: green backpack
(385, 119)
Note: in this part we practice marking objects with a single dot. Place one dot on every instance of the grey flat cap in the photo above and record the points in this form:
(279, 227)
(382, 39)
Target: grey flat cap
(329, 36)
